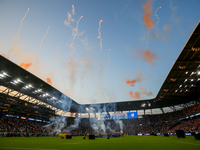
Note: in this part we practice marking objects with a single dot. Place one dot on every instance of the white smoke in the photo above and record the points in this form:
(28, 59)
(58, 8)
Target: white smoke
(60, 122)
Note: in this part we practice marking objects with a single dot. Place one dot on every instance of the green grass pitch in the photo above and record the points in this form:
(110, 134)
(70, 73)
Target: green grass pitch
(121, 143)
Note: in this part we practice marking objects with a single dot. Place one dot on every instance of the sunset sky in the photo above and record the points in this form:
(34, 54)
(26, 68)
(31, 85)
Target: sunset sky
(98, 51)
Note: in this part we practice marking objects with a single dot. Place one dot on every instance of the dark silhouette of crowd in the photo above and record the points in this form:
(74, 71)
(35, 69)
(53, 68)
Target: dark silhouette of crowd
(162, 123)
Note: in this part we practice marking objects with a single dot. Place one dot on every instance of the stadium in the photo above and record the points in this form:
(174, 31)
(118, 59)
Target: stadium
(34, 115)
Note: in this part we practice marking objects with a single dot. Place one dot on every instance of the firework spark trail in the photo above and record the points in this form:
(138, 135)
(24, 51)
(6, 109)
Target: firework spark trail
(108, 60)
(73, 10)
(21, 25)
(99, 37)
(44, 37)
(158, 19)
(56, 54)
(70, 19)
(74, 34)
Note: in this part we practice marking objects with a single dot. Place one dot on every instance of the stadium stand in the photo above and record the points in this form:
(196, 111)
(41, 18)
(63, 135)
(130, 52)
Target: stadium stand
(26, 109)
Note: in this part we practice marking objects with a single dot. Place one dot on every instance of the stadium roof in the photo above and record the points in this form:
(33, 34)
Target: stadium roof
(181, 86)
(18, 79)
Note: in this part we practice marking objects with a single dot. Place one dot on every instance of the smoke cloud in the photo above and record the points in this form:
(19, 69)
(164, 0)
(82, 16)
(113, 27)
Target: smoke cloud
(4, 55)
(146, 16)
(48, 80)
(60, 122)
(132, 82)
(162, 35)
(144, 91)
(25, 65)
(135, 95)
(147, 56)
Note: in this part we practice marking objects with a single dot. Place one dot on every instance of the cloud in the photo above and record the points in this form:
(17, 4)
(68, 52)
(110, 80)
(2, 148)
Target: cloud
(146, 16)
(147, 56)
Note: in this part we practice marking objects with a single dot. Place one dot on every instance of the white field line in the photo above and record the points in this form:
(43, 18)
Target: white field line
(69, 143)
(189, 143)
(26, 148)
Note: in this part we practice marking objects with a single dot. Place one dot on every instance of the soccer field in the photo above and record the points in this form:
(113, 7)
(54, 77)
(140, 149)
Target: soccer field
(129, 142)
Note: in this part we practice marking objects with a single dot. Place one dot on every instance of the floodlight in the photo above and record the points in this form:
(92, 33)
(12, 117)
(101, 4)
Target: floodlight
(5, 74)
(198, 73)
(143, 105)
(186, 72)
(15, 81)
(192, 73)
(2, 75)
(180, 86)
(192, 79)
